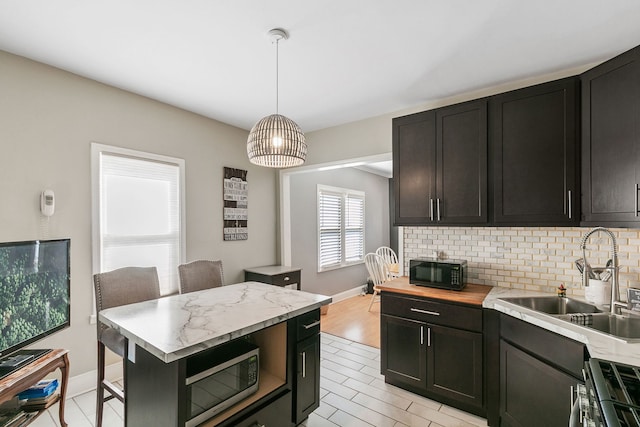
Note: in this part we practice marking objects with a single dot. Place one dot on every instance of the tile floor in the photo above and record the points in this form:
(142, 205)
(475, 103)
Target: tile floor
(353, 394)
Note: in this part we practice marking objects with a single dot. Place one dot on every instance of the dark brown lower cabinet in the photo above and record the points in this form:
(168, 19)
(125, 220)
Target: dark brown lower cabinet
(537, 371)
(454, 364)
(306, 395)
(532, 393)
(404, 359)
(427, 347)
(307, 378)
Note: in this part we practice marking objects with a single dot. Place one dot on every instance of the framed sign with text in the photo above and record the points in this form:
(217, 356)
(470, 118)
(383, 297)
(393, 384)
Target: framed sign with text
(235, 198)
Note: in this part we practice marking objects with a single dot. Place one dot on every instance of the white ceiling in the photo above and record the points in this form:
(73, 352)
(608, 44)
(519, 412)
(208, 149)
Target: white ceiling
(345, 60)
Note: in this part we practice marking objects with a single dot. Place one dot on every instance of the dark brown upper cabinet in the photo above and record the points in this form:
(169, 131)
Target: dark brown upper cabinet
(414, 167)
(440, 166)
(611, 142)
(534, 153)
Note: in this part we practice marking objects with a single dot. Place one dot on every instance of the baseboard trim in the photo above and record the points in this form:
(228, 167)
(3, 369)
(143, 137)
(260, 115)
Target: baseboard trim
(86, 382)
(347, 294)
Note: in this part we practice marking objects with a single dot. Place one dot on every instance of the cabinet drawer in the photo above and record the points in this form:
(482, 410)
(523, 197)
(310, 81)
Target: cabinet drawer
(275, 414)
(286, 279)
(281, 279)
(308, 325)
(430, 311)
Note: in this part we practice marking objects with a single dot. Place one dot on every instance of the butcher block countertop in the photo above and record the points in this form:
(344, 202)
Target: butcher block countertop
(471, 294)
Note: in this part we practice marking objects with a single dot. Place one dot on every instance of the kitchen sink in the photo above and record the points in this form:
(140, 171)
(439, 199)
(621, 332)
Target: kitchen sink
(553, 305)
(623, 326)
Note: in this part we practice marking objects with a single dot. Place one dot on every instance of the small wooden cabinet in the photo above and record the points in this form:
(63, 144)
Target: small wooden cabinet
(440, 166)
(277, 275)
(35, 371)
(433, 348)
(611, 142)
(534, 147)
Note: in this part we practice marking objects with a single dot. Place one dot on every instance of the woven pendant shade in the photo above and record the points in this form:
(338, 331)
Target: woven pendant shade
(276, 142)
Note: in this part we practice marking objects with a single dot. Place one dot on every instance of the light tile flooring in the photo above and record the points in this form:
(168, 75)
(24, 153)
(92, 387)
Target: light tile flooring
(353, 394)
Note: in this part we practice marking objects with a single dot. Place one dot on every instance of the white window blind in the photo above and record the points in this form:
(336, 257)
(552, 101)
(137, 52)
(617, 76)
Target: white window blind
(139, 213)
(340, 227)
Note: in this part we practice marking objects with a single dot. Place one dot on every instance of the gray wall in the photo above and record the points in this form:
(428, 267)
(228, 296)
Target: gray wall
(304, 228)
(48, 120)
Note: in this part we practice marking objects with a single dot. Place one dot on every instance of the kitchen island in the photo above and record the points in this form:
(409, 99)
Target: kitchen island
(166, 334)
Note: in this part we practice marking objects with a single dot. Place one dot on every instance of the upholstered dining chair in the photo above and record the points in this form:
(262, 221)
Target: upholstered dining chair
(126, 285)
(199, 275)
(389, 256)
(378, 272)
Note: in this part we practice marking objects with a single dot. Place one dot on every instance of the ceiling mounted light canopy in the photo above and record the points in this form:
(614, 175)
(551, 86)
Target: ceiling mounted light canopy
(276, 141)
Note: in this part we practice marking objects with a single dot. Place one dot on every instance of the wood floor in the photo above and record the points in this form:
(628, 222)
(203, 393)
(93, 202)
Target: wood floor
(350, 319)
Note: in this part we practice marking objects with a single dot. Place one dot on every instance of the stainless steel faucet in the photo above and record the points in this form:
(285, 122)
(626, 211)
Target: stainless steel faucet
(616, 304)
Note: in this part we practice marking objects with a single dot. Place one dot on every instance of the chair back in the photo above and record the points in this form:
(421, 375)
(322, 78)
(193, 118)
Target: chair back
(126, 285)
(387, 254)
(123, 286)
(199, 275)
(377, 268)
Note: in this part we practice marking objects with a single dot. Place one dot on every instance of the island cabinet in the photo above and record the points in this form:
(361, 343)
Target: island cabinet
(534, 148)
(191, 335)
(433, 348)
(440, 166)
(611, 142)
(307, 359)
(537, 372)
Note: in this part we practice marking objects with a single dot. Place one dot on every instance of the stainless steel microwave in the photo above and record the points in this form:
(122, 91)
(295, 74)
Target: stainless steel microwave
(219, 378)
(436, 273)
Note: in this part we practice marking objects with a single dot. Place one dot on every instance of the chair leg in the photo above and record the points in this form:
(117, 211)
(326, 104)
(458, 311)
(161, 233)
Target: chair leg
(373, 297)
(99, 388)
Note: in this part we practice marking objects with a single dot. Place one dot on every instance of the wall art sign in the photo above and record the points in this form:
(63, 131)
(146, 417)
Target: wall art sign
(235, 198)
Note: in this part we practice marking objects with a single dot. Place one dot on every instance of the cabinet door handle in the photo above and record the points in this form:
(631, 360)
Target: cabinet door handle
(421, 335)
(428, 337)
(438, 207)
(304, 364)
(311, 325)
(636, 198)
(431, 208)
(286, 278)
(417, 310)
(570, 204)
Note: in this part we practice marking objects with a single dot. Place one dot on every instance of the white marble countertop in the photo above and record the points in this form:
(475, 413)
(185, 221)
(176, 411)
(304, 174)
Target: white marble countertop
(178, 326)
(600, 345)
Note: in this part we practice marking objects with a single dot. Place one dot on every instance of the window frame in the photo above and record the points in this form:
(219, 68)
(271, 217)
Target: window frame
(97, 150)
(343, 193)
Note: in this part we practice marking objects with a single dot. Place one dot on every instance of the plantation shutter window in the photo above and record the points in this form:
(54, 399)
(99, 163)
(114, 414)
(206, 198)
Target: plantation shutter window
(340, 227)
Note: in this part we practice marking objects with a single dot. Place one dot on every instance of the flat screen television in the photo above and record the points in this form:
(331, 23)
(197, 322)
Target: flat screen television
(35, 286)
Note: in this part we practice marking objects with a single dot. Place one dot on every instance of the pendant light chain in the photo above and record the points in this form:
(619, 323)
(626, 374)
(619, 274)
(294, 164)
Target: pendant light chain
(277, 76)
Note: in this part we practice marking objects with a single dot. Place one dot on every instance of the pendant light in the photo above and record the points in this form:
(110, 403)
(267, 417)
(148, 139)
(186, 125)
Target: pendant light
(276, 141)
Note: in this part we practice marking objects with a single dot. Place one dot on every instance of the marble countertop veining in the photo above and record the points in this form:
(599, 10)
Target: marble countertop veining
(599, 345)
(178, 326)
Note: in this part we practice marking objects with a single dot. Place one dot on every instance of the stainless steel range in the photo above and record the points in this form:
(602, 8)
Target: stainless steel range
(610, 396)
